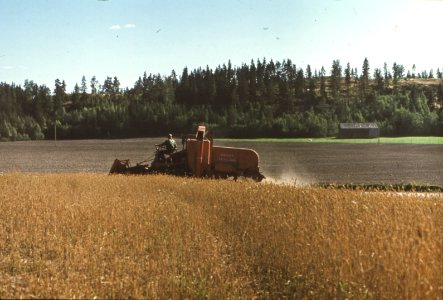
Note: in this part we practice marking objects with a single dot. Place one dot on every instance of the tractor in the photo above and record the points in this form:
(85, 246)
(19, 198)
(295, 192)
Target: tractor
(198, 158)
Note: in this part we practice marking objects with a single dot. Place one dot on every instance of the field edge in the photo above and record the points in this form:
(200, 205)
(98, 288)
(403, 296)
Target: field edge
(418, 140)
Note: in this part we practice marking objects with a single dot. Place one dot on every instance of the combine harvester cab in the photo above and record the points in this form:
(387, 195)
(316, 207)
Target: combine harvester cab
(199, 158)
(198, 152)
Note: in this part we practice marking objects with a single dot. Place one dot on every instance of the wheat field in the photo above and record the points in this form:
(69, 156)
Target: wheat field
(99, 236)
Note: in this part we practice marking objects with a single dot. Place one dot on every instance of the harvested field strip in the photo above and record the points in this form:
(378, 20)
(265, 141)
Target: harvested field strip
(402, 187)
(300, 162)
(86, 235)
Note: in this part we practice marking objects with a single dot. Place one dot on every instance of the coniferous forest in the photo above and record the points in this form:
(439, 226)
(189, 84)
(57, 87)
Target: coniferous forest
(259, 99)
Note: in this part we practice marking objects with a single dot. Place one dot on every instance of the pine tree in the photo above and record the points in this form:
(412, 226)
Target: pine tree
(311, 82)
(310, 95)
(431, 73)
(58, 101)
(348, 80)
(253, 82)
(115, 85)
(108, 86)
(299, 84)
(387, 75)
(364, 83)
(59, 98)
(75, 97)
(94, 85)
(243, 84)
(336, 74)
(379, 82)
(83, 87)
(183, 92)
(398, 72)
(322, 83)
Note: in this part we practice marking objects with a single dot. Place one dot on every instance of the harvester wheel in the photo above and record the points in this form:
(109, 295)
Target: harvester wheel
(218, 175)
(258, 177)
(255, 175)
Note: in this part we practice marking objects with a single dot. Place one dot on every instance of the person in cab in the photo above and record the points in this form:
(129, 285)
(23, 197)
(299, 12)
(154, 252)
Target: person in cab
(170, 146)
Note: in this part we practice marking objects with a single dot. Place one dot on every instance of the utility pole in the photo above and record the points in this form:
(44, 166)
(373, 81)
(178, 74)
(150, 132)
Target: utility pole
(55, 133)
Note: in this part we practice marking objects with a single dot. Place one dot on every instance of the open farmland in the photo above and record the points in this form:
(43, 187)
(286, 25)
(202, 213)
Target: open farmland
(69, 230)
(288, 162)
(87, 235)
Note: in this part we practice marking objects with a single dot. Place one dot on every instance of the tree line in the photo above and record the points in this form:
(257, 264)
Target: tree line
(259, 99)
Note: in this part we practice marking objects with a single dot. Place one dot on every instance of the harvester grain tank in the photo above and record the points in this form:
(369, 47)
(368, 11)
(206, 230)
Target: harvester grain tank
(199, 158)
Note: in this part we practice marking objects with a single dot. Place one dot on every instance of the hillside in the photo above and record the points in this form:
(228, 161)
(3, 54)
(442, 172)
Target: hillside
(262, 99)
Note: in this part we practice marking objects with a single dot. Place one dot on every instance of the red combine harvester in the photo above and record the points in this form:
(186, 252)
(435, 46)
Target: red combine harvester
(199, 158)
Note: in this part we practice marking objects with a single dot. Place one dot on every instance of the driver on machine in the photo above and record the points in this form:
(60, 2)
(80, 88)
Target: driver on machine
(169, 144)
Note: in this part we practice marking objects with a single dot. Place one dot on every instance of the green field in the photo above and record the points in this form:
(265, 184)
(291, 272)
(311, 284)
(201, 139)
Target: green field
(425, 140)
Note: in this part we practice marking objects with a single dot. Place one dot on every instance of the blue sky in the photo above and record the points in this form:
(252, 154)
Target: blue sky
(43, 40)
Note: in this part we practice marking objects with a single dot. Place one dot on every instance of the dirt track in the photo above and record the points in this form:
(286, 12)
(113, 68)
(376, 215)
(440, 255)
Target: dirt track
(290, 162)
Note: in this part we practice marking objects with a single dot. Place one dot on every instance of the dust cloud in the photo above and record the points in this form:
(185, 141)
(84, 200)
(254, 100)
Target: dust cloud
(292, 177)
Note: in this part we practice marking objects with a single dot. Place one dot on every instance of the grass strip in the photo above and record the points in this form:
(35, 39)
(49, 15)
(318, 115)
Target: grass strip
(419, 140)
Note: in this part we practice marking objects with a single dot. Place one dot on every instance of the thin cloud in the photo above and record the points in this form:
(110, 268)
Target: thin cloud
(7, 67)
(118, 26)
